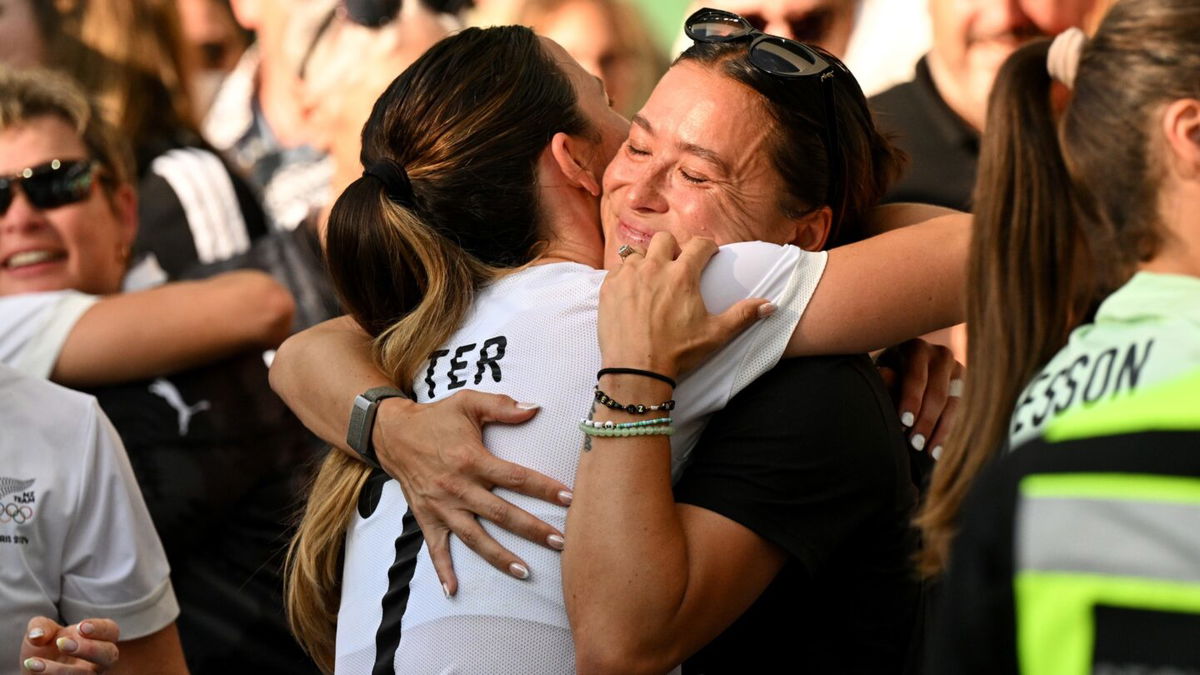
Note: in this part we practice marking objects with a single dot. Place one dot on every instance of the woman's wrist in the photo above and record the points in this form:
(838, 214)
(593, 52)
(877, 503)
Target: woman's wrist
(631, 389)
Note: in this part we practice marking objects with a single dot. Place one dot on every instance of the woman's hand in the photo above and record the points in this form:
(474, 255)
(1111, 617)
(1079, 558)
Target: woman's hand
(653, 317)
(436, 452)
(86, 647)
(926, 382)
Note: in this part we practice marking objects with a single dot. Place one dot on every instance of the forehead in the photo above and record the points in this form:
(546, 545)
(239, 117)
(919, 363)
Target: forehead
(789, 8)
(706, 106)
(38, 140)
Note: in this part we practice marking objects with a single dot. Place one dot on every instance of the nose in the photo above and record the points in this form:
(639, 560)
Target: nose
(1005, 17)
(645, 193)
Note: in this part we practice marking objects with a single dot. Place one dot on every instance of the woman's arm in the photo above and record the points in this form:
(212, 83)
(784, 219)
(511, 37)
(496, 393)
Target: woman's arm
(884, 290)
(174, 327)
(434, 450)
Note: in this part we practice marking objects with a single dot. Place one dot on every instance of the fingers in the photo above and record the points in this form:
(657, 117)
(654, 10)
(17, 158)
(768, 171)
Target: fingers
(472, 534)
(937, 392)
(525, 481)
(944, 425)
(662, 247)
(89, 646)
(741, 316)
(912, 387)
(437, 541)
(40, 631)
(696, 254)
(100, 652)
(486, 408)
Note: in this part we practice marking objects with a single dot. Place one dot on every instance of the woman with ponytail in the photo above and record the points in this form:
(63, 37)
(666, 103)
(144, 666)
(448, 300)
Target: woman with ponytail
(467, 253)
(1084, 329)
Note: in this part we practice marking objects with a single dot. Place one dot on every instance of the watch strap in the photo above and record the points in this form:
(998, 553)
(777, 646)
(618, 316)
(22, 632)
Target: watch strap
(362, 421)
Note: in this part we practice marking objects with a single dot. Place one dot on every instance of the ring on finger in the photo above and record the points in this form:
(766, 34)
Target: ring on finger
(956, 388)
(625, 251)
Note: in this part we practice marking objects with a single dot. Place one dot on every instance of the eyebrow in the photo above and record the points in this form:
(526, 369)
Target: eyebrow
(700, 151)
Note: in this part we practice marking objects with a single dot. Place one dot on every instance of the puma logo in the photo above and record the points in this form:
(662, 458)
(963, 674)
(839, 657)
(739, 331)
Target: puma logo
(169, 393)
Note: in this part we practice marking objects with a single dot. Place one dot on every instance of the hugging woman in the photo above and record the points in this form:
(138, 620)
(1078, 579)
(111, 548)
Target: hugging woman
(467, 252)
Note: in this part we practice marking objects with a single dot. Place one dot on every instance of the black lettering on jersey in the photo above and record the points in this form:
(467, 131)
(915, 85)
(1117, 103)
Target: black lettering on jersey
(433, 359)
(1088, 376)
(457, 364)
(1131, 368)
(1108, 356)
(493, 359)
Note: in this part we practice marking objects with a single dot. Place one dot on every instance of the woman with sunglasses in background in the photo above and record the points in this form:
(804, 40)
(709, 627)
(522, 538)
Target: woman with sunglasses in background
(178, 368)
(448, 249)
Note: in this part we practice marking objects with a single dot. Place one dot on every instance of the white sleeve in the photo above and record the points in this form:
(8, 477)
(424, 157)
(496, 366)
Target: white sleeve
(785, 275)
(34, 327)
(113, 563)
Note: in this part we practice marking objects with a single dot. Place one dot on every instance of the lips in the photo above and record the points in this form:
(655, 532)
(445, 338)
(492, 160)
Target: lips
(23, 259)
(632, 235)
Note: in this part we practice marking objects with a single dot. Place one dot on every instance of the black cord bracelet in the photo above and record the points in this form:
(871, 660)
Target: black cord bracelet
(634, 371)
(632, 408)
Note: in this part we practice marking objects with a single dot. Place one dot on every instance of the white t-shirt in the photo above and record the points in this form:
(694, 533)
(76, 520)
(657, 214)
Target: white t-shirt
(34, 327)
(76, 540)
(533, 336)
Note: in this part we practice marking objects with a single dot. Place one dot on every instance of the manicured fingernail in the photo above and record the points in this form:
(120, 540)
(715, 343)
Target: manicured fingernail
(66, 645)
(528, 406)
(766, 310)
(936, 452)
(556, 541)
(36, 634)
(565, 496)
(446, 590)
(918, 441)
(907, 419)
(34, 665)
(87, 628)
(518, 570)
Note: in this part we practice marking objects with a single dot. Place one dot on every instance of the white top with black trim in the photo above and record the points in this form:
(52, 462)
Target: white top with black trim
(533, 336)
(76, 540)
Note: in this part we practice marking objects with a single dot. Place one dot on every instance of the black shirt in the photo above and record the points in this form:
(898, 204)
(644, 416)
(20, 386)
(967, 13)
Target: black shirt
(943, 150)
(811, 457)
(220, 461)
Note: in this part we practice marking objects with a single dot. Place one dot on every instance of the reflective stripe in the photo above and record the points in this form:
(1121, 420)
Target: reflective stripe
(1119, 537)
(206, 194)
(1139, 487)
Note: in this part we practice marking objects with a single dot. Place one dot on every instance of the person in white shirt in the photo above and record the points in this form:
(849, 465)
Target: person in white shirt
(476, 225)
(76, 541)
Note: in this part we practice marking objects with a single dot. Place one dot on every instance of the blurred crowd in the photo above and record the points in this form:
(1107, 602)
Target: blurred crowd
(169, 171)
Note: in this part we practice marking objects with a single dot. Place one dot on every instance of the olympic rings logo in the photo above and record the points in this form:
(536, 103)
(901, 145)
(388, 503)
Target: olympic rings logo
(15, 513)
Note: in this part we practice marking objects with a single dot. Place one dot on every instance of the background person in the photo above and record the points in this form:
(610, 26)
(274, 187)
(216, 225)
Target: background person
(1074, 553)
(177, 368)
(77, 541)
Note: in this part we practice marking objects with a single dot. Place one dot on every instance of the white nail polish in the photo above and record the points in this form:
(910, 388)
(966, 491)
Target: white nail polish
(36, 633)
(446, 590)
(519, 571)
(936, 452)
(556, 541)
(34, 665)
(528, 406)
(918, 441)
(907, 419)
(766, 310)
(66, 645)
(565, 496)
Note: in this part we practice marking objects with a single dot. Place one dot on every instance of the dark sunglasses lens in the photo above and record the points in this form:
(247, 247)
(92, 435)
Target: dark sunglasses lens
(713, 25)
(6, 196)
(48, 188)
(784, 57)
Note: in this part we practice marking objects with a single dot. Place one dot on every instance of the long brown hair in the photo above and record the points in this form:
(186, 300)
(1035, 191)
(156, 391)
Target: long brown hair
(467, 122)
(1064, 212)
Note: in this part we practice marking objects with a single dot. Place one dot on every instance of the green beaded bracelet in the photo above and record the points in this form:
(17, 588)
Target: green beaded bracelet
(659, 430)
(596, 424)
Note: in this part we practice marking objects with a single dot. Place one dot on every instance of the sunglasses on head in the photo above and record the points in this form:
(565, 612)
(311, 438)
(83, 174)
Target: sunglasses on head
(51, 185)
(778, 56)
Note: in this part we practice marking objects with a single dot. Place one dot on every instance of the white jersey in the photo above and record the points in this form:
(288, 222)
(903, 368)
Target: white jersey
(76, 540)
(34, 327)
(533, 336)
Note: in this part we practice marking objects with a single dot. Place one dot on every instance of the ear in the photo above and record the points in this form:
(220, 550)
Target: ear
(569, 153)
(812, 229)
(1181, 127)
(123, 202)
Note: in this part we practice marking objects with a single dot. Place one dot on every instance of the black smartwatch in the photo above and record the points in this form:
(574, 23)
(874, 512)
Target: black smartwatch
(362, 420)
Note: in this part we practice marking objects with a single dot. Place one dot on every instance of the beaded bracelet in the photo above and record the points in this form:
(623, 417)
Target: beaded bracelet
(596, 424)
(659, 430)
(633, 409)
